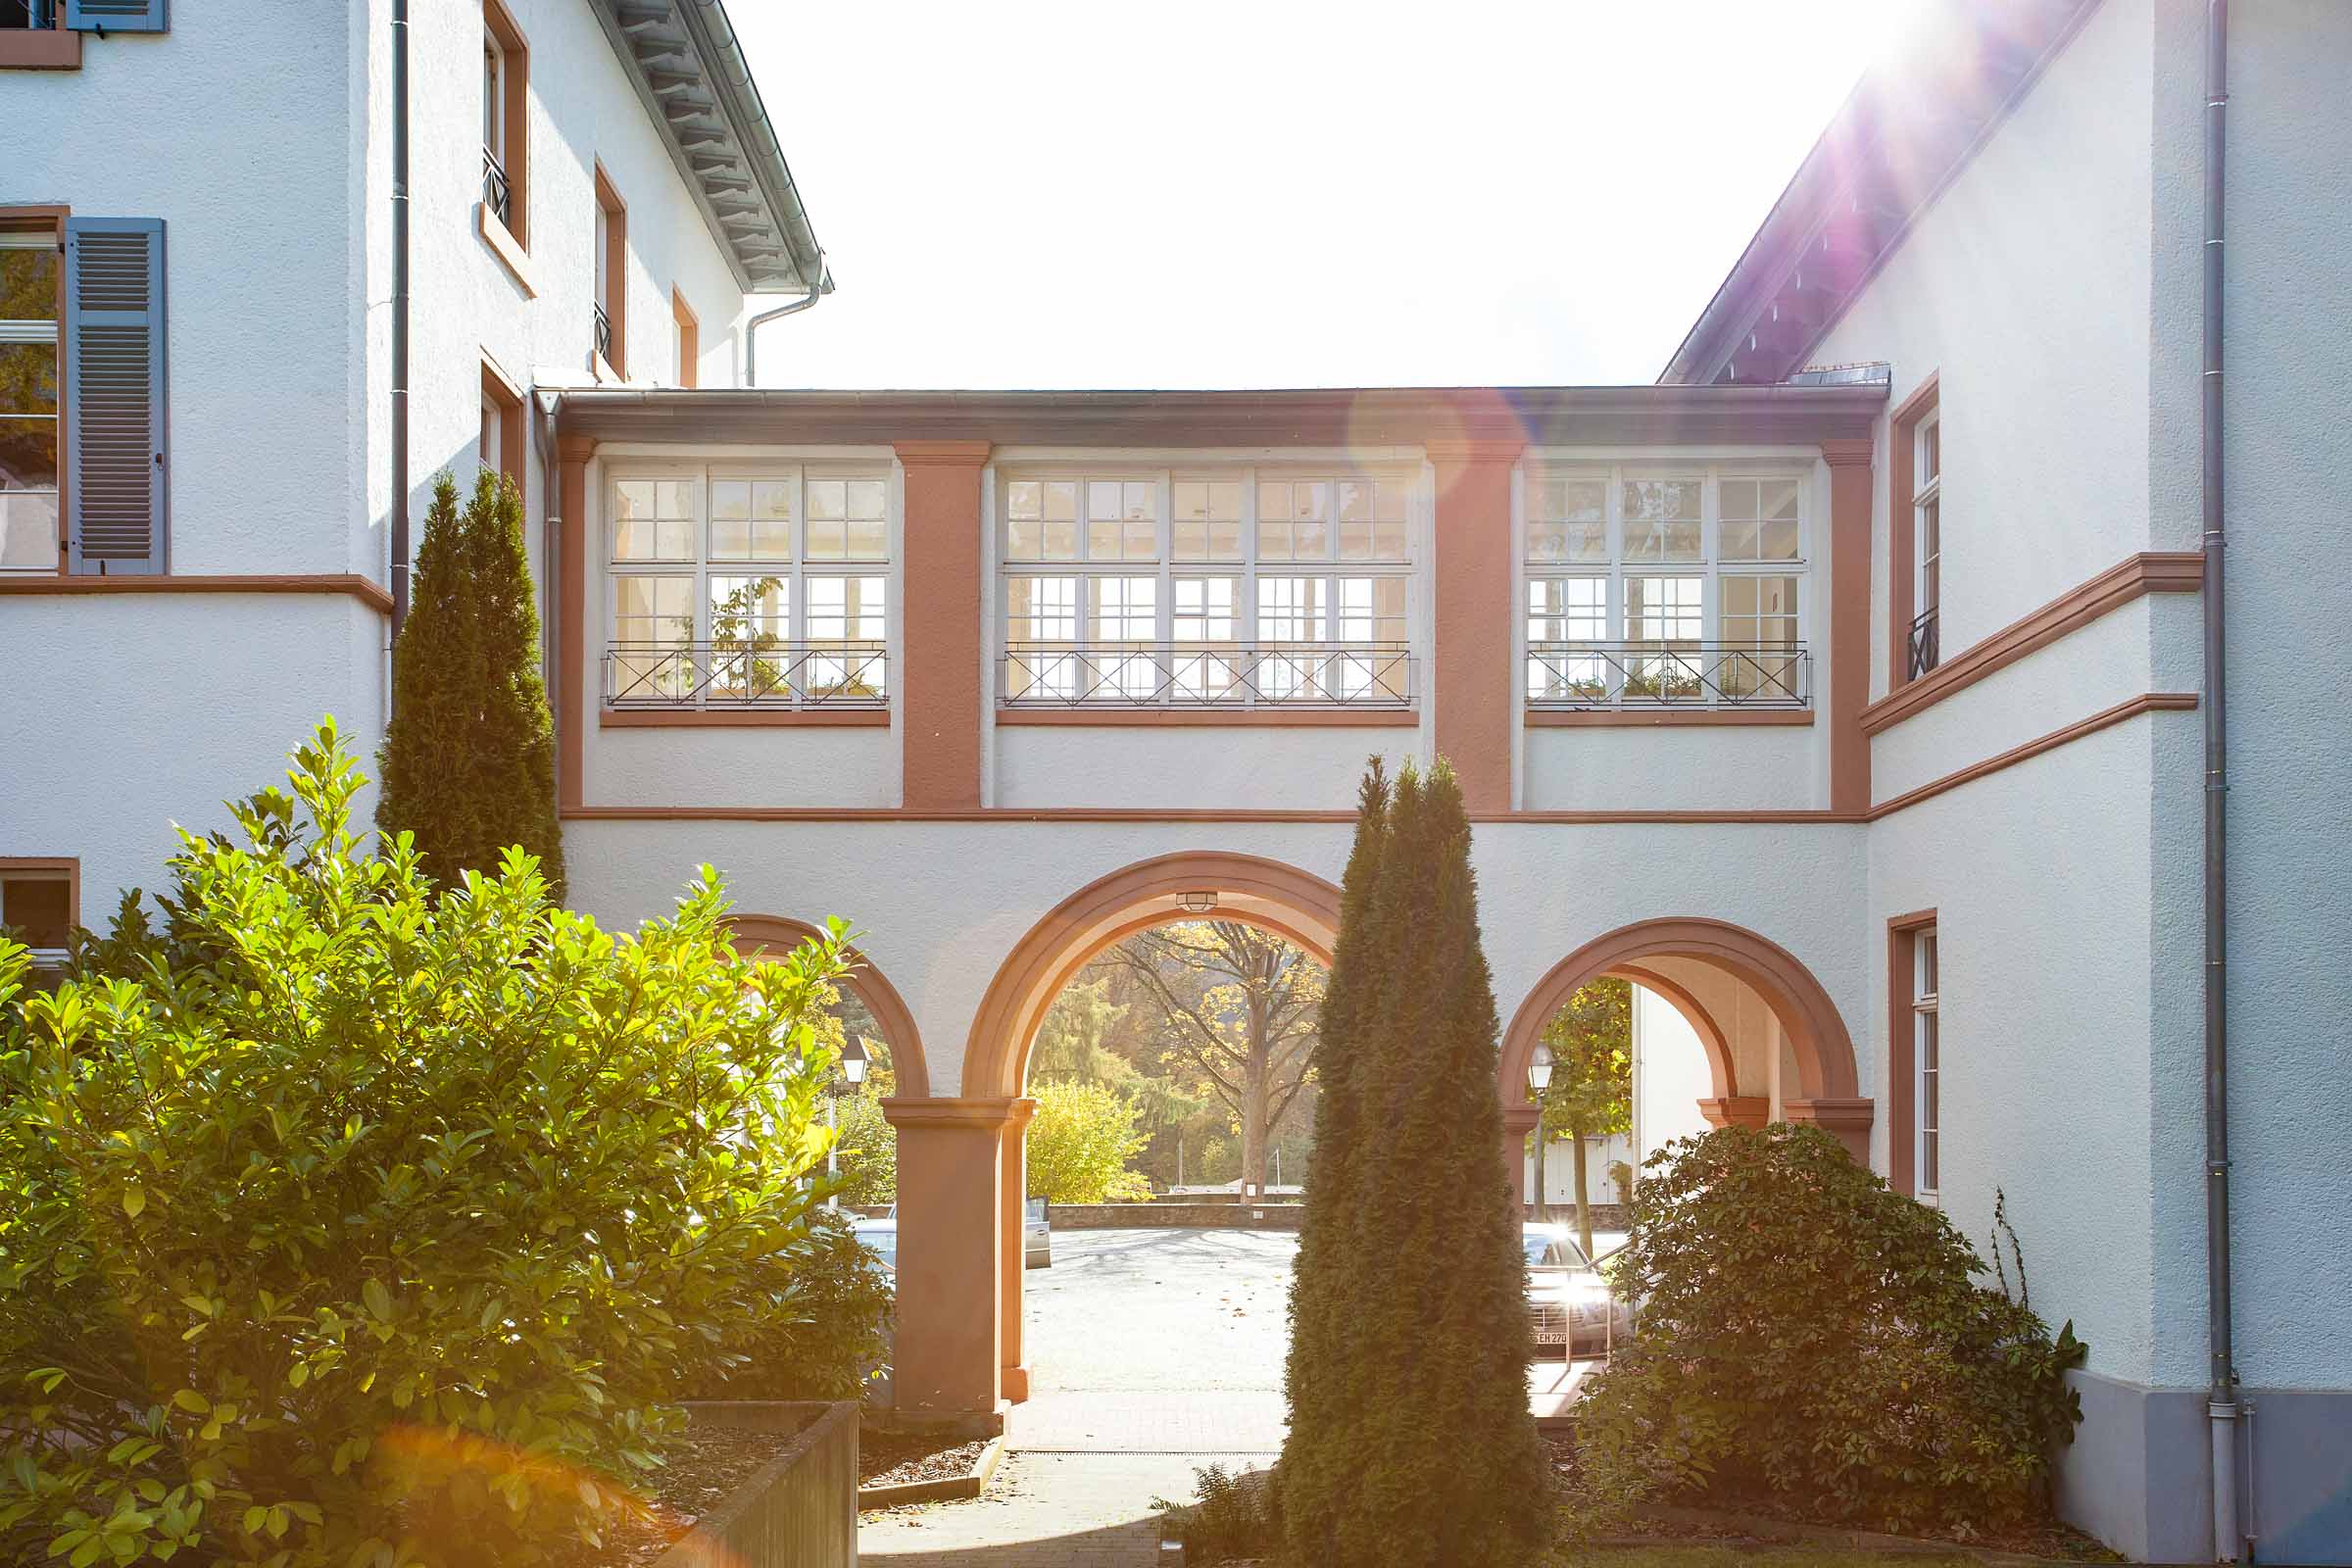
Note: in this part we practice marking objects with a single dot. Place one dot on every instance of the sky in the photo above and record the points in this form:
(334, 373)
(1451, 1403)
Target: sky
(1237, 194)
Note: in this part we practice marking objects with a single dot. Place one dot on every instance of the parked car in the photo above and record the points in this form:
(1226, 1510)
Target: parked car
(1037, 1236)
(1568, 1299)
(881, 1238)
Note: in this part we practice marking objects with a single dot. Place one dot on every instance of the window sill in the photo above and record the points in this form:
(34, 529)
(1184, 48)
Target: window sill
(39, 49)
(1211, 717)
(744, 719)
(1664, 718)
(505, 247)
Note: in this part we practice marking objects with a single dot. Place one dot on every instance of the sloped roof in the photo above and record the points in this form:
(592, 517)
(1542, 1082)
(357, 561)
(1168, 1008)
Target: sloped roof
(690, 71)
(1909, 126)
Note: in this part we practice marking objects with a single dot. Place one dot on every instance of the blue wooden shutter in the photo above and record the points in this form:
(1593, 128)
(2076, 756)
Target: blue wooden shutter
(114, 425)
(119, 15)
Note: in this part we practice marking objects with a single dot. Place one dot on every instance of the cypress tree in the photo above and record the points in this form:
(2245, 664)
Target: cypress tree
(1416, 1446)
(469, 760)
(1318, 1473)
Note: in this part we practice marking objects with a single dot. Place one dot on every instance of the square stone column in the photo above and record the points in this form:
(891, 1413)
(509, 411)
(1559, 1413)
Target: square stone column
(949, 1363)
(1015, 1259)
(1472, 688)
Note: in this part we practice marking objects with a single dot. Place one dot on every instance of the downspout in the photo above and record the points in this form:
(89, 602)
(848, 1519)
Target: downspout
(2221, 1405)
(400, 315)
(751, 328)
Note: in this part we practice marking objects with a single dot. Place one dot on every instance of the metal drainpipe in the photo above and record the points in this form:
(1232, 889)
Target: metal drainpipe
(400, 315)
(2229, 1542)
(751, 328)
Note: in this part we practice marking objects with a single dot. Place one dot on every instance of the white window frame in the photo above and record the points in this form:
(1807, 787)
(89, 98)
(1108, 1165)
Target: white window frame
(807, 661)
(1192, 672)
(1927, 526)
(1711, 570)
(50, 331)
(1927, 1065)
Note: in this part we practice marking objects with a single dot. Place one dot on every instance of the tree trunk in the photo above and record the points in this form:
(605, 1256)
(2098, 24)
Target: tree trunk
(1584, 1203)
(1256, 1097)
(1542, 1136)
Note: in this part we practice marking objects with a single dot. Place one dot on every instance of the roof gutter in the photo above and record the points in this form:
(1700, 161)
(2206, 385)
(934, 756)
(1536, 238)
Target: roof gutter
(767, 154)
(751, 328)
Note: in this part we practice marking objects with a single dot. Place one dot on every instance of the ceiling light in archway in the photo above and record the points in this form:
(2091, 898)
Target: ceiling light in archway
(1196, 903)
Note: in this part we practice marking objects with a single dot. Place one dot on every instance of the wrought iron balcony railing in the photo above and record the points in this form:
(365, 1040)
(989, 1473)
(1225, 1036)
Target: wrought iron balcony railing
(1667, 674)
(604, 334)
(1208, 676)
(761, 672)
(496, 195)
(1925, 654)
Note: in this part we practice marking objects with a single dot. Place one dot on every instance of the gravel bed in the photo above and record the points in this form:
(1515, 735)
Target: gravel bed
(895, 1458)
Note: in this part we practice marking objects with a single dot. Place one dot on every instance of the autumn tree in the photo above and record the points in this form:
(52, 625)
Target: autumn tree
(1240, 1009)
(1591, 1089)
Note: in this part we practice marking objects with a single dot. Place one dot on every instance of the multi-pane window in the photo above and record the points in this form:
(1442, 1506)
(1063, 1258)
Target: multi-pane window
(1139, 587)
(1925, 1064)
(1671, 586)
(1927, 544)
(29, 261)
(737, 586)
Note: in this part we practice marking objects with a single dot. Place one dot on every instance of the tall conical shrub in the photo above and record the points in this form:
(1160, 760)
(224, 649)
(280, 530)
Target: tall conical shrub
(1410, 1439)
(470, 758)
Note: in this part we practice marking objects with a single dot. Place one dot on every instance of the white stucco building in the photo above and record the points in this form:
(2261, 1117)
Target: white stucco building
(1889, 789)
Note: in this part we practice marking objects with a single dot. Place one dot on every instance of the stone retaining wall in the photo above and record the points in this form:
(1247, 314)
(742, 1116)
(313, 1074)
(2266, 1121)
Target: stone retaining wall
(1197, 1216)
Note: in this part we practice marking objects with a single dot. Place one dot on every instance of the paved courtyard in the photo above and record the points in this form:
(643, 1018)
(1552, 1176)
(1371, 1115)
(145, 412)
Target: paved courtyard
(1151, 1352)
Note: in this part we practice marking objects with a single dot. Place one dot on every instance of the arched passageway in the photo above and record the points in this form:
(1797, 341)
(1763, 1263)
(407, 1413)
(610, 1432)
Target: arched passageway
(960, 1165)
(1674, 957)
(779, 933)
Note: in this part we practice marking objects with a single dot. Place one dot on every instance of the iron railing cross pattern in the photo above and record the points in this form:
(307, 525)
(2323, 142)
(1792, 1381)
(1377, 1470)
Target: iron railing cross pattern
(761, 672)
(1596, 675)
(1373, 676)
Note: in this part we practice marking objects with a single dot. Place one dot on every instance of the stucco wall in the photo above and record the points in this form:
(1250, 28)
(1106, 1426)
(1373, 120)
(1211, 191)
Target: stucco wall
(247, 169)
(1698, 768)
(940, 905)
(126, 714)
(2020, 288)
(2289, 311)
(1314, 769)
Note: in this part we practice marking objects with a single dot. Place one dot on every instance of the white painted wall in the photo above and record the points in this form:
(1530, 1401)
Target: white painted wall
(941, 905)
(1187, 767)
(1670, 1075)
(2289, 314)
(2024, 287)
(126, 714)
(1697, 768)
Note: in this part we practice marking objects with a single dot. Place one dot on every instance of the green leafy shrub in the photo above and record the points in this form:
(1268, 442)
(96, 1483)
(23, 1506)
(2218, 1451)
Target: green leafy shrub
(1239, 1515)
(1811, 1339)
(1081, 1144)
(354, 1221)
(817, 1330)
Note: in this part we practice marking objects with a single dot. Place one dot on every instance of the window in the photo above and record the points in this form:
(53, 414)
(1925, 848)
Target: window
(610, 350)
(91, 16)
(31, 298)
(1671, 586)
(1915, 548)
(505, 121)
(37, 907)
(686, 340)
(1926, 1062)
(1184, 588)
(736, 586)
(22, 14)
(500, 447)
(1927, 547)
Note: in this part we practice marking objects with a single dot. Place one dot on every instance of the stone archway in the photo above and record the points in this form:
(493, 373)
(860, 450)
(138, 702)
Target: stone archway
(1294, 904)
(757, 933)
(1827, 1079)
